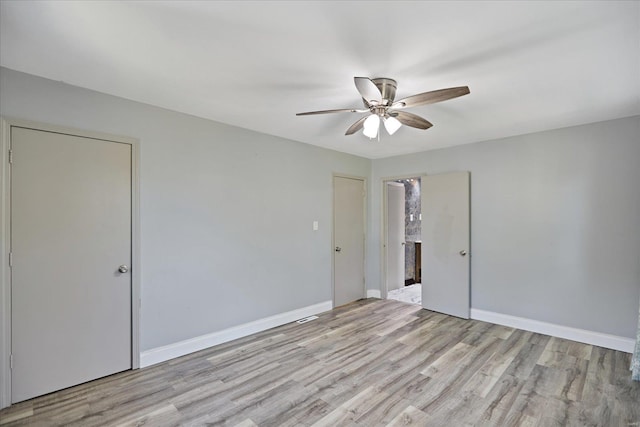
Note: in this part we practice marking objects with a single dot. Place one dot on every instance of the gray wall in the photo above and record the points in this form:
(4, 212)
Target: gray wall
(555, 222)
(226, 213)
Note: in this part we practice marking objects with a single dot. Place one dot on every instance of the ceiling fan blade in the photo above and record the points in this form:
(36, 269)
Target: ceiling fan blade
(368, 90)
(356, 126)
(342, 110)
(411, 120)
(431, 97)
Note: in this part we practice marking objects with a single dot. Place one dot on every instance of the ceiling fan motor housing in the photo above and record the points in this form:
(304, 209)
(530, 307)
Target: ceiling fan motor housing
(387, 88)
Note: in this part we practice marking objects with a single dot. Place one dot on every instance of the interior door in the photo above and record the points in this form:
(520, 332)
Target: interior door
(348, 236)
(445, 243)
(70, 237)
(395, 235)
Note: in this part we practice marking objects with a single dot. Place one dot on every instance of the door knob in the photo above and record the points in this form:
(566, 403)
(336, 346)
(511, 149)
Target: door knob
(338, 248)
(123, 268)
(463, 252)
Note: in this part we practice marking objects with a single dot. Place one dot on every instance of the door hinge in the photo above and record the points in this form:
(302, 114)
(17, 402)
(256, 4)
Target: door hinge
(11, 361)
(10, 259)
(10, 156)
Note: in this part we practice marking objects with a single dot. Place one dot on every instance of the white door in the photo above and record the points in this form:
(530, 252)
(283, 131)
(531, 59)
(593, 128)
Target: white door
(395, 235)
(70, 232)
(445, 243)
(348, 236)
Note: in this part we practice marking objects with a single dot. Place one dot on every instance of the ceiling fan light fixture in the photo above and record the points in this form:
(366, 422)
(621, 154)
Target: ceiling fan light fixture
(371, 126)
(378, 96)
(391, 124)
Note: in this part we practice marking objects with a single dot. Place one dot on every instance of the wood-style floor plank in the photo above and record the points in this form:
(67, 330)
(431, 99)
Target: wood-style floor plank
(369, 363)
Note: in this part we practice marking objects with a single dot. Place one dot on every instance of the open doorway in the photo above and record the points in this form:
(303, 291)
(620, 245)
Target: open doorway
(403, 240)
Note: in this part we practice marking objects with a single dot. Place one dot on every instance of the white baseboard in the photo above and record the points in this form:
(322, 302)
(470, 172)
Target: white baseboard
(373, 293)
(167, 352)
(581, 335)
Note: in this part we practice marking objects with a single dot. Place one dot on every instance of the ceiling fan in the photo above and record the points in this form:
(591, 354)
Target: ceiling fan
(378, 96)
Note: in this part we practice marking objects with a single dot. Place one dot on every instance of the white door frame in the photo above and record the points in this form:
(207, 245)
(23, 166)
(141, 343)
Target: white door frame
(383, 228)
(5, 224)
(333, 233)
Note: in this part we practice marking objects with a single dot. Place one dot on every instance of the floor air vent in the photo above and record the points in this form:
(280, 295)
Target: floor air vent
(306, 319)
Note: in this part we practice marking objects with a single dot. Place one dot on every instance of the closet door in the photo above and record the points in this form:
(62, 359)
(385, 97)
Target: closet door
(348, 236)
(71, 254)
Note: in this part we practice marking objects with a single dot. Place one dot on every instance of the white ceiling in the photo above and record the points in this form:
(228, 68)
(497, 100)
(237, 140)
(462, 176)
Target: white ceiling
(531, 66)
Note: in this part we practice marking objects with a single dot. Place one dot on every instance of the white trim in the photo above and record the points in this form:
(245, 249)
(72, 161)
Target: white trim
(167, 352)
(373, 293)
(5, 212)
(383, 227)
(136, 258)
(5, 274)
(581, 335)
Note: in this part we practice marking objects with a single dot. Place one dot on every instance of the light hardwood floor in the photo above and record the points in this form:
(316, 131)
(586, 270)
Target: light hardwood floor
(369, 363)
